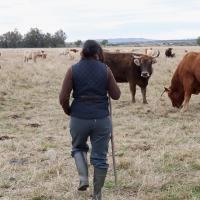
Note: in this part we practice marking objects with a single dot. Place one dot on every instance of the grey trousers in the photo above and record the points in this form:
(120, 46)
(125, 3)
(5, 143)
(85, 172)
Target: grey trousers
(99, 132)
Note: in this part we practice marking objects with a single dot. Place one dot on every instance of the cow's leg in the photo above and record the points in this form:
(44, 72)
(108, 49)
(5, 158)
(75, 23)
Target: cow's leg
(186, 101)
(133, 91)
(188, 86)
(143, 91)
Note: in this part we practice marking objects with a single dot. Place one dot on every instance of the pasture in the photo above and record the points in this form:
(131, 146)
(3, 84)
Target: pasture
(157, 146)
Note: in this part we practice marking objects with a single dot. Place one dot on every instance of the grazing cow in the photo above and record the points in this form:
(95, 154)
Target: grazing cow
(63, 52)
(131, 67)
(185, 81)
(168, 52)
(40, 53)
(30, 55)
(70, 55)
(74, 50)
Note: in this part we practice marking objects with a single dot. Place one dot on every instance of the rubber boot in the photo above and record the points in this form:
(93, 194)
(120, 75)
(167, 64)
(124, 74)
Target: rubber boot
(82, 167)
(98, 181)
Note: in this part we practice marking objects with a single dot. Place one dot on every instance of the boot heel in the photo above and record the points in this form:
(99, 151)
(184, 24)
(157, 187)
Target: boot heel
(82, 167)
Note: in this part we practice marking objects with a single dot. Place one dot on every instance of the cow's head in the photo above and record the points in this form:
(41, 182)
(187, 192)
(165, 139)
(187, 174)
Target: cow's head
(176, 97)
(145, 62)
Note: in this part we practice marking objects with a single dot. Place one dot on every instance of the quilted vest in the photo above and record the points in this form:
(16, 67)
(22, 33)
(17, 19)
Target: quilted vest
(90, 85)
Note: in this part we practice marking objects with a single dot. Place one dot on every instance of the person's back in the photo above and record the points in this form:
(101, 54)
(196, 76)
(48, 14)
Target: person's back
(90, 86)
(90, 81)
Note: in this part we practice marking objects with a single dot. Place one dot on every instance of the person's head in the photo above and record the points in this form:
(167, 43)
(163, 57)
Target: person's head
(92, 49)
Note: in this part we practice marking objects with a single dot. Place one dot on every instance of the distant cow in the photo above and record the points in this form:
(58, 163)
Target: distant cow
(40, 53)
(147, 50)
(44, 55)
(127, 51)
(173, 55)
(74, 50)
(117, 50)
(185, 81)
(30, 55)
(124, 51)
(168, 52)
(131, 67)
(63, 52)
(70, 55)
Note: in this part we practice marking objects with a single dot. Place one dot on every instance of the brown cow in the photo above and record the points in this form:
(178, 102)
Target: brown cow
(168, 52)
(185, 81)
(130, 67)
(44, 55)
(74, 50)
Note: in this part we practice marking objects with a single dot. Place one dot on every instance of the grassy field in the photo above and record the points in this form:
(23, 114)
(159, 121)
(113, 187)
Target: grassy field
(157, 146)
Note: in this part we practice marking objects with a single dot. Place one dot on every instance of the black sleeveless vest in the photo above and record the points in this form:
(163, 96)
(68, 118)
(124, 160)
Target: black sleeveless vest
(90, 86)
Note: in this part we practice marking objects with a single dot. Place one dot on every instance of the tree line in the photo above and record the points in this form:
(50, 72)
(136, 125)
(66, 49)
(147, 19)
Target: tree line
(35, 38)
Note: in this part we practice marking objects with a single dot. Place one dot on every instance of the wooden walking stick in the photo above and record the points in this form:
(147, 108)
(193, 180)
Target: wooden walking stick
(113, 146)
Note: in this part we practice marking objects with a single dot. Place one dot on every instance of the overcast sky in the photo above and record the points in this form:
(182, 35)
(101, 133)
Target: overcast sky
(104, 19)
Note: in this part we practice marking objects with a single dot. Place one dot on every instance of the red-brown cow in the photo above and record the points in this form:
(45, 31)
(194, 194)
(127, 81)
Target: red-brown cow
(131, 67)
(185, 81)
(74, 50)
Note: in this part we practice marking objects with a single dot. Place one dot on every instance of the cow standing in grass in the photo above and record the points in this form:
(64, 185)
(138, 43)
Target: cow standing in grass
(31, 55)
(136, 69)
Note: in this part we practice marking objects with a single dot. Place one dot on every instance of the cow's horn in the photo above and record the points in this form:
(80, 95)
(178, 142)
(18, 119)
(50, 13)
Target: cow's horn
(136, 56)
(162, 93)
(156, 55)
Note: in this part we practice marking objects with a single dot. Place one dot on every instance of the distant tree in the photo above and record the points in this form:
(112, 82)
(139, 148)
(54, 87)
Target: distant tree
(104, 42)
(198, 40)
(78, 43)
(34, 38)
(59, 38)
(11, 39)
(48, 40)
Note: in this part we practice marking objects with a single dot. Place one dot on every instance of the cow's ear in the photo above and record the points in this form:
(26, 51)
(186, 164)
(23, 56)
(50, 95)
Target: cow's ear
(167, 90)
(137, 62)
(154, 61)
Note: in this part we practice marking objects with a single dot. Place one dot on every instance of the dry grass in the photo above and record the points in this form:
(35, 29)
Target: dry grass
(156, 145)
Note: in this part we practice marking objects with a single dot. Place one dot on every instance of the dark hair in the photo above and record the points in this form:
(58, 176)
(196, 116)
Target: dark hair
(90, 48)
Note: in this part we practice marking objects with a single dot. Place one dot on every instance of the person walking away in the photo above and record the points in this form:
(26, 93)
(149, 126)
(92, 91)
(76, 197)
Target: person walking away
(90, 81)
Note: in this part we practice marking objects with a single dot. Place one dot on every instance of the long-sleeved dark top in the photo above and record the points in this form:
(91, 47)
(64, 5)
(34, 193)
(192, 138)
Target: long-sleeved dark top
(67, 86)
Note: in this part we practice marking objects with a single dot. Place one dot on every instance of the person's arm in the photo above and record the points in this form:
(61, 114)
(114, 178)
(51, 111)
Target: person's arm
(66, 89)
(113, 88)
